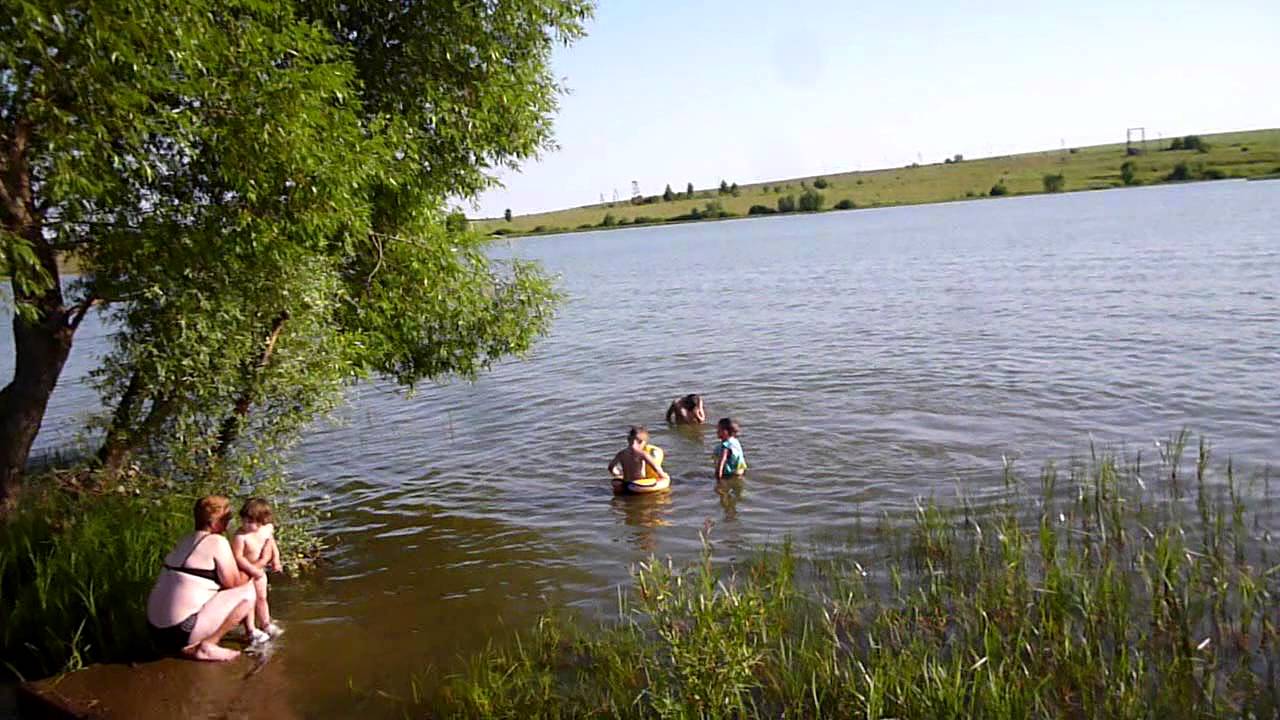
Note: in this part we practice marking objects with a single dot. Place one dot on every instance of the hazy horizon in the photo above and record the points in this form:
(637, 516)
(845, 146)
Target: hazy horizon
(749, 92)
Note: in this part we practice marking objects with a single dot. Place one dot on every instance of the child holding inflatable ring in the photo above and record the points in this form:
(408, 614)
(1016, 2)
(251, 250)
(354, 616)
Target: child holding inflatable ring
(638, 467)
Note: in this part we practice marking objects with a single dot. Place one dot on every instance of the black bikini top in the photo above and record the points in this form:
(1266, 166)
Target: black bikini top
(210, 574)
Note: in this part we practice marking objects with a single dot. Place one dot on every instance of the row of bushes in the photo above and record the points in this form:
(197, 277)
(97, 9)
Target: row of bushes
(1197, 171)
(1189, 142)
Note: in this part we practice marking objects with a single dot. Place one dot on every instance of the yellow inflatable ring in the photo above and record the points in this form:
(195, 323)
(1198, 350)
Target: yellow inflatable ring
(652, 481)
(641, 487)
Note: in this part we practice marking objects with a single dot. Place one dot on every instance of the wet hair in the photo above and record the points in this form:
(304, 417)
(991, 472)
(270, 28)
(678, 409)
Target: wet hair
(730, 425)
(209, 510)
(256, 510)
(691, 400)
(636, 432)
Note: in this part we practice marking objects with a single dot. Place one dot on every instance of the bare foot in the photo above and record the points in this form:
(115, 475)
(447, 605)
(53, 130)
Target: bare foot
(210, 652)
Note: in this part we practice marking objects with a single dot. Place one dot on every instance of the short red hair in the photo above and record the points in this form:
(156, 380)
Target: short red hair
(210, 509)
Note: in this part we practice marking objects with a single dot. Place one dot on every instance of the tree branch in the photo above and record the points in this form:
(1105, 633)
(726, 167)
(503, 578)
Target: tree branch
(80, 309)
(233, 422)
(18, 163)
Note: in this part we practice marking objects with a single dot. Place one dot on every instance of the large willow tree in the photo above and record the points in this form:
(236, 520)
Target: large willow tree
(255, 192)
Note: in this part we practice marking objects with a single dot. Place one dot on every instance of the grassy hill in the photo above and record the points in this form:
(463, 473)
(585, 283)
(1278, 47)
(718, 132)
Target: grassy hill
(1235, 154)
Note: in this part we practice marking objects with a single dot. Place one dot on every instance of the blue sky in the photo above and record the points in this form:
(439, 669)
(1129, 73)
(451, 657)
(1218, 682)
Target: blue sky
(750, 91)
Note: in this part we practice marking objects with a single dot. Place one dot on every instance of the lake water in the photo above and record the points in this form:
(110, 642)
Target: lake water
(872, 357)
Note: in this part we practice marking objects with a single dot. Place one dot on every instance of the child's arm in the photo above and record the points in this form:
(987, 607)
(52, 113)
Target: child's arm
(724, 458)
(614, 464)
(654, 464)
(246, 566)
(273, 552)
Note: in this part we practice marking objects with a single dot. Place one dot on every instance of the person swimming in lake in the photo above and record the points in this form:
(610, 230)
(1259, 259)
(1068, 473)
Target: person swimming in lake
(729, 458)
(629, 464)
(687, 411)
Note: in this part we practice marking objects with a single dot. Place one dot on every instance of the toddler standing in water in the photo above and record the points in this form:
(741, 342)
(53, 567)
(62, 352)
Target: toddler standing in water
(254, 547)
(729, 458)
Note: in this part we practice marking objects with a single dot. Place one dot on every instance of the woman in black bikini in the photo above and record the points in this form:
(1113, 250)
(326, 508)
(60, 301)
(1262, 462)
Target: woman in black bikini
(201, 594)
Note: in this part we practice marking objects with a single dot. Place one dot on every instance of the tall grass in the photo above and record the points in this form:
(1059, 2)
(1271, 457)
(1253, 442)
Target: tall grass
(1110, 590)
(75, 571)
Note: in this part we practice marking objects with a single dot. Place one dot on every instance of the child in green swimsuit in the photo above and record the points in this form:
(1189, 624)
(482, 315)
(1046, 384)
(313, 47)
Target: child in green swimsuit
(729, 458)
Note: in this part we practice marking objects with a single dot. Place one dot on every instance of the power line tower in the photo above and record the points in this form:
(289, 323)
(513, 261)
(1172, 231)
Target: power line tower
(615, 194)
(1129, 134)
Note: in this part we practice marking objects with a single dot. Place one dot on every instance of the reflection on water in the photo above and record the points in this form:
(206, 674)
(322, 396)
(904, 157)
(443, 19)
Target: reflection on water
(872, 357)
(643, 514)
(730, 490)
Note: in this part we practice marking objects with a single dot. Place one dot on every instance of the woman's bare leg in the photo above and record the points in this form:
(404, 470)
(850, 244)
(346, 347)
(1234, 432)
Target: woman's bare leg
(223, 611)
(207, 648)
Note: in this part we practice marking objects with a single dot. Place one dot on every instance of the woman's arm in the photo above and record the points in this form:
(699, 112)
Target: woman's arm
(224, 563)
(671, 410)
(250, 568)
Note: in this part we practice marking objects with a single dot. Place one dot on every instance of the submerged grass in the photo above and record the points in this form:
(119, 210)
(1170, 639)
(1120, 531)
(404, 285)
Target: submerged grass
(1112, 590)
(76, 566)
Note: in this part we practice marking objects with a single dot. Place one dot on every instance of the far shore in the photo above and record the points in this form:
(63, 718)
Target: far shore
(1250, 155)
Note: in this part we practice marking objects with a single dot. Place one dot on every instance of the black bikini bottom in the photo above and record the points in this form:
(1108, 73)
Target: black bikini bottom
(174, 637)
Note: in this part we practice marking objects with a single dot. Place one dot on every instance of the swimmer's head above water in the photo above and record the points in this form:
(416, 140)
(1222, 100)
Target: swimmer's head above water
(728, 427)
(638, 434)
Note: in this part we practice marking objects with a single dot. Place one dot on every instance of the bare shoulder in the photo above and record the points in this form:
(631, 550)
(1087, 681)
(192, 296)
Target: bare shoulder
(222, 547)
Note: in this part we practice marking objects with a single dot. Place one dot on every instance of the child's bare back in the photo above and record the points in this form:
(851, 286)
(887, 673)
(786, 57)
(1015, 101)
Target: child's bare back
(630, 462)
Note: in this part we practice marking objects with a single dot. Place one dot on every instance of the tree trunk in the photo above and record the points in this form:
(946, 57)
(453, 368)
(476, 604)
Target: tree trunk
(41, 347)
(240, 411)
(41, 343)
(119, 442)
(125, 435)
